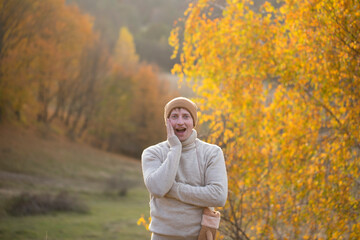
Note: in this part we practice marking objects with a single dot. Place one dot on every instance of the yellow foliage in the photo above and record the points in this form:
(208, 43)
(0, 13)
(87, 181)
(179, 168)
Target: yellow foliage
(143, 222)
(279, 90)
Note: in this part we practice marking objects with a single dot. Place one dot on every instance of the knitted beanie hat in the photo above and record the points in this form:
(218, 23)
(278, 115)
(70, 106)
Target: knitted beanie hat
(181, 102)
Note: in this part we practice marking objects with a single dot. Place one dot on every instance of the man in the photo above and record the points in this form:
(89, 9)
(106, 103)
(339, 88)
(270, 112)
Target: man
(184, 175)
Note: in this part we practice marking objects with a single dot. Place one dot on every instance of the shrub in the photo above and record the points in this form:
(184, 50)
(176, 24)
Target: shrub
(34, 204)
(119, 185)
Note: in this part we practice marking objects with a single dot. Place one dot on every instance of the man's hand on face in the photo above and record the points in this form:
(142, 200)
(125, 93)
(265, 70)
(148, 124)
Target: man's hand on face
(169, 129)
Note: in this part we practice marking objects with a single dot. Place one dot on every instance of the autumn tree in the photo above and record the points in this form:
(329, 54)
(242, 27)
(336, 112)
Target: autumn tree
(279, 90)
(41, 46)
(112, 116)
(61, 41)
(81, 99)
(125, 50)
(15, 23)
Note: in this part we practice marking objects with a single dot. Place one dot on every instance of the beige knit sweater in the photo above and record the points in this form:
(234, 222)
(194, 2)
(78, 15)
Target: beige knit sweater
(182, 178)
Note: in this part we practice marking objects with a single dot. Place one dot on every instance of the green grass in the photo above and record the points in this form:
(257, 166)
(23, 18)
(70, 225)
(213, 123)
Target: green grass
(33, 163)
(109, 219)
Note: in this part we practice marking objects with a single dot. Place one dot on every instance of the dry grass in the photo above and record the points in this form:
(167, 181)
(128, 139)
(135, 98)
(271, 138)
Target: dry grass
(30, 160)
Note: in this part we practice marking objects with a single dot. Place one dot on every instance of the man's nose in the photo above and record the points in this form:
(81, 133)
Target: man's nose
(180, 120)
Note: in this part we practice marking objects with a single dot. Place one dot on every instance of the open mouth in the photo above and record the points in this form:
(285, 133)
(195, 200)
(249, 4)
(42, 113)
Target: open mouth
(180, 130)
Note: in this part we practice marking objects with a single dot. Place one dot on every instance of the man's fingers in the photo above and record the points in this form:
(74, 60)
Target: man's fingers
(169, 128)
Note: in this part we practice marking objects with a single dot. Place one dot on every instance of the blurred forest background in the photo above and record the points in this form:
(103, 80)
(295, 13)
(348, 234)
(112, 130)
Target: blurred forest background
(97, 70)
(150, 23)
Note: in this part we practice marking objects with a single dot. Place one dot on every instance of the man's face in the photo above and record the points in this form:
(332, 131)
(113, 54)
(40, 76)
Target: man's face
(182, 122)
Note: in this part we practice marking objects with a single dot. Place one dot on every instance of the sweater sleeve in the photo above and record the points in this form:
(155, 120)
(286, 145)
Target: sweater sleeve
(214, 193)
(160, 174)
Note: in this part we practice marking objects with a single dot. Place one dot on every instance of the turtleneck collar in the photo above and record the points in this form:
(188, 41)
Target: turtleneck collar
(189, 143)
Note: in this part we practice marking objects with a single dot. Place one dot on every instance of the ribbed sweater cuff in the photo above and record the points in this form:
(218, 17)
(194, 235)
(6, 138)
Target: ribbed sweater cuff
(174, 141)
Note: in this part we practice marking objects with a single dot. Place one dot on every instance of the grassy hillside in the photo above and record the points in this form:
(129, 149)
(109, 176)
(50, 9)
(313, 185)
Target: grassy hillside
(36, 162)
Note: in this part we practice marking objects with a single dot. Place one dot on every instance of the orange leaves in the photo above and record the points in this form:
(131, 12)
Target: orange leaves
(174, 41)
(41, 46)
